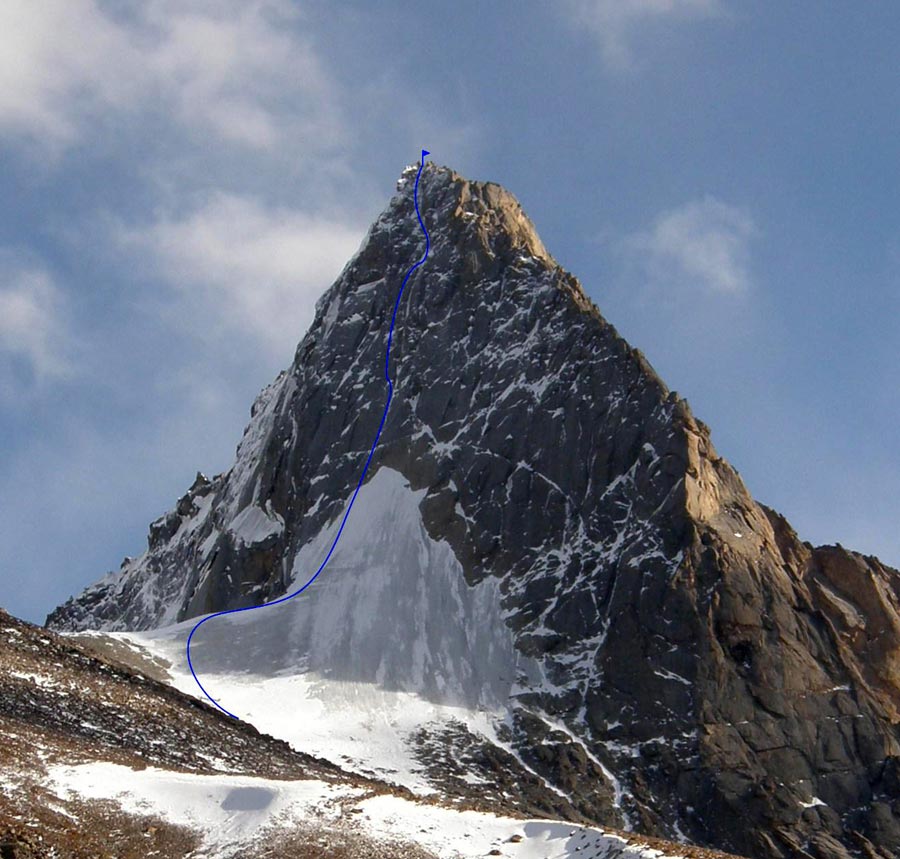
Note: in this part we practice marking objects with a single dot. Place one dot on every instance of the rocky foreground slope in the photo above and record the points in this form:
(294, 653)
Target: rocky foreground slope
(100, 761)
(663, 652)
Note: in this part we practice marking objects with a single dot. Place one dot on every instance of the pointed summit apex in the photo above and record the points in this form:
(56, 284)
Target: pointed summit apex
(480, 218)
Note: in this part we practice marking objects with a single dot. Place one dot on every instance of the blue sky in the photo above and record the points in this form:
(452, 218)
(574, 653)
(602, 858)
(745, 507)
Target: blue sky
(183, 179)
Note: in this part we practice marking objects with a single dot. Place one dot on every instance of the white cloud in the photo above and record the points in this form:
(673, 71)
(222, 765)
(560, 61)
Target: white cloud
(245, 268)
(242, 71)
(55, 56)
(612, 22)
(703, 244)
(32, 329)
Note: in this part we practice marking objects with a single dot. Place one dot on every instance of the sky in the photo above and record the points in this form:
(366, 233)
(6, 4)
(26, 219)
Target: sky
(183, 178)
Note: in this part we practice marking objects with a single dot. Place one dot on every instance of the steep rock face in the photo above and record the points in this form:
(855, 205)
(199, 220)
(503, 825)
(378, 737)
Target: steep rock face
(719, 678)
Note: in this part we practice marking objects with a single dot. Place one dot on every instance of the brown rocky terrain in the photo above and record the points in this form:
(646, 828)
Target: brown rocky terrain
(60, 703)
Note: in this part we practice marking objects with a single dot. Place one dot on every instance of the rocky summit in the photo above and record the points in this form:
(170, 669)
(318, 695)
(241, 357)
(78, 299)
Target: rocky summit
(548, 538)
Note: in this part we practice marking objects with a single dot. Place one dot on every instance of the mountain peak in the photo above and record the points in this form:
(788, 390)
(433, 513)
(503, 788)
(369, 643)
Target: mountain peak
(545, 533)
(482, 215)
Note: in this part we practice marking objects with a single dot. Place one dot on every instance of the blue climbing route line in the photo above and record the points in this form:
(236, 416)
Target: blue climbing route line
(362, 477)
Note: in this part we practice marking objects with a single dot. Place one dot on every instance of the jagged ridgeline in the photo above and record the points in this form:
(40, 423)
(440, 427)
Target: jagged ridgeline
(550, 529)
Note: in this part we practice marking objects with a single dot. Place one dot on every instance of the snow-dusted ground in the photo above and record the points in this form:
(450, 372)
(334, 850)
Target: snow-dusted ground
(452, 834)
(228, 810)
(231, 811)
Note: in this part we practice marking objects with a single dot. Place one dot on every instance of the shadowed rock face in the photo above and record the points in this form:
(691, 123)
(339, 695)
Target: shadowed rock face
(740, 685)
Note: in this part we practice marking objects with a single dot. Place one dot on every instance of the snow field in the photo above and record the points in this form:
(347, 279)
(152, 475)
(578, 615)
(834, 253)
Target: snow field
(389, 639)
(231, 811)
(226, 810)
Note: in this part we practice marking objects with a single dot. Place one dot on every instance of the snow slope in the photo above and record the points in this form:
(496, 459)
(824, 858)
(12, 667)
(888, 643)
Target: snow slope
(388, 639)
(234, 811)
(96, 760)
